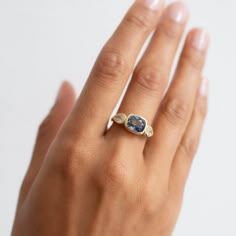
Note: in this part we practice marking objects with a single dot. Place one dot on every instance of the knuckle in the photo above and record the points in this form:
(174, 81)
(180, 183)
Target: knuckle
(140, 21)
(150, 209)
(175, 110)
(150, 205)
(116, 176)
(152, 200)
(110, 65)
(189, 146)
(149, 79)
(192, 59)
(72, 158)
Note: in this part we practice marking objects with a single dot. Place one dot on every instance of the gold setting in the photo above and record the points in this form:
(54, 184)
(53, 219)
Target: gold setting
(126, 125)
(122, 118)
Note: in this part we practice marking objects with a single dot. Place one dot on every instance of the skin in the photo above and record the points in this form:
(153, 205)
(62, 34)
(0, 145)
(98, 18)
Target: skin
(86, 179)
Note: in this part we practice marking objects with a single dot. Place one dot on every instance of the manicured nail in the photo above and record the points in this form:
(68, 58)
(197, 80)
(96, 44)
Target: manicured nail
(151, 4)
(177, 12)
(200, 39)
(204, 87)
(60, 92)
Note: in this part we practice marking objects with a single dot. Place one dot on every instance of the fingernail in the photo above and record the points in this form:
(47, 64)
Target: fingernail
(60, 92)
(177, 12)
(204, 87)
(200, 39)
(151, 4)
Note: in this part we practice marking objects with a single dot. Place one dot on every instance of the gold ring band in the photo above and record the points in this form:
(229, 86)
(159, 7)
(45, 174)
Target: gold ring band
(134, 123)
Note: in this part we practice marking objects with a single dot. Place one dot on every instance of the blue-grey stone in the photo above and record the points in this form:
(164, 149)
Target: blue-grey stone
(136, 124)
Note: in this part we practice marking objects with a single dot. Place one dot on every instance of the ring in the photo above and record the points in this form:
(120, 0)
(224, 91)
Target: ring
(134, 124)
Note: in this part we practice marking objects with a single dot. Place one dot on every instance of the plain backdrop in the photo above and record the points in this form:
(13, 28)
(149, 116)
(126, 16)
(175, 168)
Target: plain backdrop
(43, 42)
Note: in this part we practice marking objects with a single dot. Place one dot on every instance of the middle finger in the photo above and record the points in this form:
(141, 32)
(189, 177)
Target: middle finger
(152, 72)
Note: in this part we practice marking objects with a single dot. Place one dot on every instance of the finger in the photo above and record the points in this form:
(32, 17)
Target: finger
(152, 72)
(48, 131)
(113, 68)
(177, 106)
(187, 149)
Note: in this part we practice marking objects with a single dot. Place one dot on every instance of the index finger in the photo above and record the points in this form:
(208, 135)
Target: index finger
(113, 67)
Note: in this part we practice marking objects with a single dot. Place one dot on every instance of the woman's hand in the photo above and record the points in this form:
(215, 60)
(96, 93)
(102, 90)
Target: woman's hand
(89, 181)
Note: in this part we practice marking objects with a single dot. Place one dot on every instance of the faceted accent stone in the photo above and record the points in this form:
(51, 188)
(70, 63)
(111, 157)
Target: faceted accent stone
(119, 118)
(149, 131)
(136, 124)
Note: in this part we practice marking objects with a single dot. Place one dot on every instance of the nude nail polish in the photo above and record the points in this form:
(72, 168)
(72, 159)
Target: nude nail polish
(204, 87)
(200, 39)
(177, 12)
(151, 4)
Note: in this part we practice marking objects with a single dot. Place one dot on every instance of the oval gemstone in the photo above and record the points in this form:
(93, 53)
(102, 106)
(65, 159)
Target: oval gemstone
(119, 118)
(136, 124)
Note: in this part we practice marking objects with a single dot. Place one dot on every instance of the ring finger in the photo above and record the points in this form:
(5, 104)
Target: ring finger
(177, 106)
(150, 77)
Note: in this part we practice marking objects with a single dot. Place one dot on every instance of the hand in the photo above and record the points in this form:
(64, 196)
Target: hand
(85, 179)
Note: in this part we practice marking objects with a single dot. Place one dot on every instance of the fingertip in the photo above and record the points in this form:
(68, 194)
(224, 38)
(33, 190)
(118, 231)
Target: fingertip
(66, 92)
(199, 38)
(178, 12)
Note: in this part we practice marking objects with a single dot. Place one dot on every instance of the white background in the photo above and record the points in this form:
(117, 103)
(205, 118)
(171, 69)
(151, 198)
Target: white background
(43, 42)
